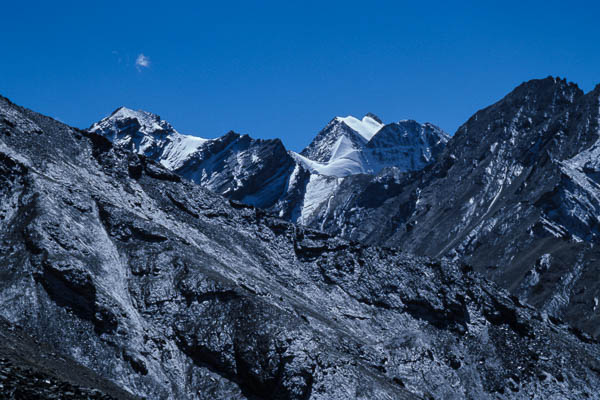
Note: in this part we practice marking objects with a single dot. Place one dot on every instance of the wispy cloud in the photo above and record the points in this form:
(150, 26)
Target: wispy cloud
(142, 62)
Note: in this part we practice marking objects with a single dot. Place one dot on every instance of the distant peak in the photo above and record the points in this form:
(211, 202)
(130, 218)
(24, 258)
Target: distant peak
(540, 95)
(232, 134)
(414, 127)
(147, 122)
(374, 117)
(118, 110)
(121, 110)
(408, 121)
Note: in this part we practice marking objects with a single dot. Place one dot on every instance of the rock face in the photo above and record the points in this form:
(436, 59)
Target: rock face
(171, 291)
(515, 194)
(256, 172)
(406, 145)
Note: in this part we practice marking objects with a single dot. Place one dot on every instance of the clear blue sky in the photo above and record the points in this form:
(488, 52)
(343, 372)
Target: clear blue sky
(284, 70)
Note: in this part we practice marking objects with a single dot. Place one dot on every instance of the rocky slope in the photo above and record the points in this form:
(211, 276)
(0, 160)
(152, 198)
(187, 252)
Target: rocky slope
(515, 193)
(406, 145)
(171, 291)
(29, 369)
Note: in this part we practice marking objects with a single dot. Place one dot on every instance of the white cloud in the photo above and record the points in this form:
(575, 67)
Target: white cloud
(142, 62)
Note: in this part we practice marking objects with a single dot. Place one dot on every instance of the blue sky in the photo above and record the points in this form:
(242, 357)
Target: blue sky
(283, 69)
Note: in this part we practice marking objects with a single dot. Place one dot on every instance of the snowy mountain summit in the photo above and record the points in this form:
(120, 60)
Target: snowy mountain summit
(148, 134)
(242, 168)
(349, 146)
(341, 135)
(124, 120)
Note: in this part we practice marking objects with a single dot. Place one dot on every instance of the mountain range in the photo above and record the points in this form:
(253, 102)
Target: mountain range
(515, 192)
(384, 261)
(263, 173)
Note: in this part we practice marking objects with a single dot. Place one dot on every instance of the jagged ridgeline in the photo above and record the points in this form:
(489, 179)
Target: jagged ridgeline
(263, 173)
(514, 192)
(169, 290)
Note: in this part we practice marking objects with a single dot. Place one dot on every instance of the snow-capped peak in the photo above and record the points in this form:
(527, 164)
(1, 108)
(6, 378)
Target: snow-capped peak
(146, 133)
(367, 127)
(350, 146)
(121, 119)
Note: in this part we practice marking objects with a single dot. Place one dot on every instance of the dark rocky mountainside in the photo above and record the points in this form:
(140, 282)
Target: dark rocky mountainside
(406, 145)
(29, 369)
(254, 171)
(171, 291)
(515, 194)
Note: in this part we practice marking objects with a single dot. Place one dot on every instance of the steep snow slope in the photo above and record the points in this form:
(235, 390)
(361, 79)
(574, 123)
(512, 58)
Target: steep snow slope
(171, 291)
(352, 132)
(345, 160)
(367, 127)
